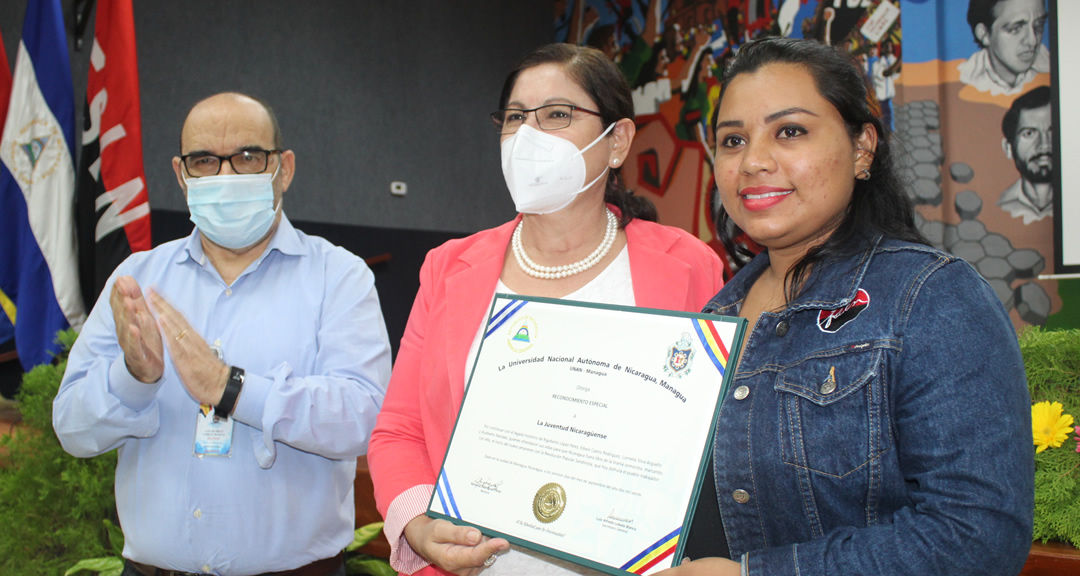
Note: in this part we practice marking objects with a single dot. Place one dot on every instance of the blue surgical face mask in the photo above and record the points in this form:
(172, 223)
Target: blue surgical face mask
(233, 210)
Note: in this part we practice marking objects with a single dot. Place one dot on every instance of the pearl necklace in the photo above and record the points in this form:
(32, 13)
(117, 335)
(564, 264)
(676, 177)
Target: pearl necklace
(554, 272)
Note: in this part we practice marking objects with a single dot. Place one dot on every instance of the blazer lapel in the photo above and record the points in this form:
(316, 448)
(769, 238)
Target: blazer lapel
(468, 298)
(660, 279)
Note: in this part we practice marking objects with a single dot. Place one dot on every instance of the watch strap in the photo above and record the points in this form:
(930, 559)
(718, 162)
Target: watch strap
(232, 391)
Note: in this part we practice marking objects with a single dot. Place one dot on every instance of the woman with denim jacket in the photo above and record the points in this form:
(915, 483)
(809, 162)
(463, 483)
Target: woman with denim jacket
(879, 421)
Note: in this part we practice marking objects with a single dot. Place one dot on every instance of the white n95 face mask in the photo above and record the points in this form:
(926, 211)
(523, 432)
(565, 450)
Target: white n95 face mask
(233, 210)
(544, 172)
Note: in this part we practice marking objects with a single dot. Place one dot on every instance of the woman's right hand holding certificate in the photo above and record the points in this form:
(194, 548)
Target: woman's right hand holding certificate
(462, 550)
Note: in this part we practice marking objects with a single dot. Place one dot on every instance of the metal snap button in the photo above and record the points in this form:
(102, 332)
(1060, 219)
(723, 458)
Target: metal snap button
(828, 387)
(741, 393)
(741, 496)
(782, 328)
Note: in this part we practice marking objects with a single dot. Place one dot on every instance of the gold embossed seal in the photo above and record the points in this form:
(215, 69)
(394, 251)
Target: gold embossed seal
(549, 502)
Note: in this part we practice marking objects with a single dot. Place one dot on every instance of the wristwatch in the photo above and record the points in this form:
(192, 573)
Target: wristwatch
(232, 390)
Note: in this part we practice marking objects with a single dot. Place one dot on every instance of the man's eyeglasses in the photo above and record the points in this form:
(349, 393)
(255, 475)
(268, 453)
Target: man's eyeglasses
(550, 117)
(251, 161)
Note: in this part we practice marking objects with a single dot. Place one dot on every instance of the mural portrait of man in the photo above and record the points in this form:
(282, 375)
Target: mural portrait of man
(1027, 131)
(1011, 34)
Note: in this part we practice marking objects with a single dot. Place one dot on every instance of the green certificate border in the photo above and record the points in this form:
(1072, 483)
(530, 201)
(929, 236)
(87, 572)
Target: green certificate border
(729, 374)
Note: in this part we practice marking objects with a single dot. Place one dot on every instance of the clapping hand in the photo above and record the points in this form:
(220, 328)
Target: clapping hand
(199, 369)
(136, 331)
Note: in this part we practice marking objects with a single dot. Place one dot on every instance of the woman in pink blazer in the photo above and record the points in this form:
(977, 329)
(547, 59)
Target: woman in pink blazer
(566, 125)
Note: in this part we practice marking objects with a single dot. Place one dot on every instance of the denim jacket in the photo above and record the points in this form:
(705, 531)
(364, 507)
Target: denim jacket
(879, 424)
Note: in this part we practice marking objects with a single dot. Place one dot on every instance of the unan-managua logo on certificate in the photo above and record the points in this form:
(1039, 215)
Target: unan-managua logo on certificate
(522, 334)
(35, 152)
(680, 357)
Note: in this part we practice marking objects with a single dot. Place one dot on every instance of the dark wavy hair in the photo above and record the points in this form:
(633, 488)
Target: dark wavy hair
(1034, 98)
(601, 79)
(981, 12)
(879, 205)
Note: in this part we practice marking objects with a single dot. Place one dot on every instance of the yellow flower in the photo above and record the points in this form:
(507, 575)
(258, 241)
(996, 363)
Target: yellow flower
(1049, 426)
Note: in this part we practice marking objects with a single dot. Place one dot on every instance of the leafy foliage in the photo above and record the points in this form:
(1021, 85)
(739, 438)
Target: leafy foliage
(364, 535)
(365, 564)
(1052, 362)
(51, 503)
(357, 564)
(107, 566)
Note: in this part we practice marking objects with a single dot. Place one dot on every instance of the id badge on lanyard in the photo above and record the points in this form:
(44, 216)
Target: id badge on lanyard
(213, 435)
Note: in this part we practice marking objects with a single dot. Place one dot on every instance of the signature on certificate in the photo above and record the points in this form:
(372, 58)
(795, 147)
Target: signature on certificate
(487, 485)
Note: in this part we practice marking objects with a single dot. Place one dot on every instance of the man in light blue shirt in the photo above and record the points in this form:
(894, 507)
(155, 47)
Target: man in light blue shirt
(238, 371)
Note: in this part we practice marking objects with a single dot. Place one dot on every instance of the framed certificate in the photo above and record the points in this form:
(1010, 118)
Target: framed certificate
(585, 429)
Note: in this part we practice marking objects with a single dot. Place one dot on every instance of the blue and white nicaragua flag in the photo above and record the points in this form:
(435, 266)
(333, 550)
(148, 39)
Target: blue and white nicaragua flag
(38, 259)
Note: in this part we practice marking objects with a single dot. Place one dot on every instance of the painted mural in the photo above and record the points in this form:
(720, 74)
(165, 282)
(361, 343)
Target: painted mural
(973, 109)
(965, 89)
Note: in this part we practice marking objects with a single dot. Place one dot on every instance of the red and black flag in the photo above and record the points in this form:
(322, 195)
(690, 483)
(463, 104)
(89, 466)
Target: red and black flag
(114, 215)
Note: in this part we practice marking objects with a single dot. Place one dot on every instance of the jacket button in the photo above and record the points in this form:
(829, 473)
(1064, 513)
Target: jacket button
(741, 393)
(741, 496)
(828, 387)
(782, 328)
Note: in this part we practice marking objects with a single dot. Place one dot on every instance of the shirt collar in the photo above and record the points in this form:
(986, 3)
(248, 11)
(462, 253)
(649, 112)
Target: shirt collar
(830, 285)
(286, 240)
(986, 66)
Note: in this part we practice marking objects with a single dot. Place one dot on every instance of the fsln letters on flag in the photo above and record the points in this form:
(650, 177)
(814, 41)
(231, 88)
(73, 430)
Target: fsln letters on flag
(114, 214)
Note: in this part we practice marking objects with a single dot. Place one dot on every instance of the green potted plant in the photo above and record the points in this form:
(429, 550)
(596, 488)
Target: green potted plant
(51, 504)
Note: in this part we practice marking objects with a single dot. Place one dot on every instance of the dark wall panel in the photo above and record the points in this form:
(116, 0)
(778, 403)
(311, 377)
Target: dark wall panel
(366, 92)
